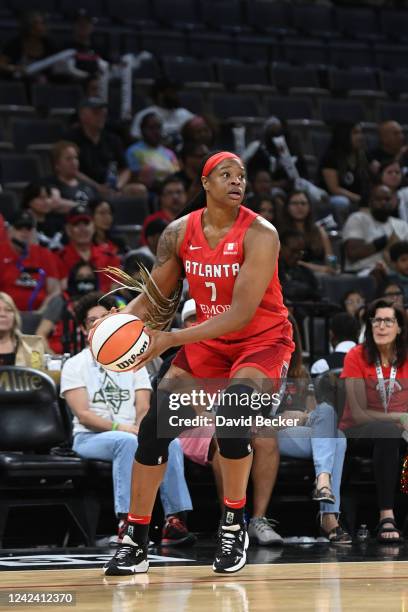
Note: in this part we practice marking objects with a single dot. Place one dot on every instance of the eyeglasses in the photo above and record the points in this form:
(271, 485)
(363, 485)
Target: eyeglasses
(388, 321)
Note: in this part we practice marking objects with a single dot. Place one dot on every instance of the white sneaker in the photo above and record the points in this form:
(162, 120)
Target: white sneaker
(261, 532)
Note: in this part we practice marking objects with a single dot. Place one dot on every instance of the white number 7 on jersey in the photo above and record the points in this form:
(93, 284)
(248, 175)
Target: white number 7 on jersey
(213, 291)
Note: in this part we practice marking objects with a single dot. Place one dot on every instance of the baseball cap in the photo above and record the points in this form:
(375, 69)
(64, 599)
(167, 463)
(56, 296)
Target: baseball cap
(189, 309)
(79, 213)
(92, 102)
(23, 219)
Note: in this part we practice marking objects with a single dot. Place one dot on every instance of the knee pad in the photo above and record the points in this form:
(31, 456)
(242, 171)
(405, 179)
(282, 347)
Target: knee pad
(233, 428)
(155, 433)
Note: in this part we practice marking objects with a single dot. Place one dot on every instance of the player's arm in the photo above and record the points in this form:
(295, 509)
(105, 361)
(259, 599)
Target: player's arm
(168, 268)
(261, 253)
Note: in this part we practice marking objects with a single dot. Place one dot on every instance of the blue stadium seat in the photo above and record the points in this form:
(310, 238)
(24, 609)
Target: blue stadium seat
(289, 107)
(359, 23)
(257, 48)
(273, 17)
(190, 70)
(346, 55)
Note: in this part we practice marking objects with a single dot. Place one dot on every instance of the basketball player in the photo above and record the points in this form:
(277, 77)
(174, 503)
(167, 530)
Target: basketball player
(229, 257)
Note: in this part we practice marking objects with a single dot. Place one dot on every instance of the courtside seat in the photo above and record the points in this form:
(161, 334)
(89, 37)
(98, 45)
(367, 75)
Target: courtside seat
(30, 426)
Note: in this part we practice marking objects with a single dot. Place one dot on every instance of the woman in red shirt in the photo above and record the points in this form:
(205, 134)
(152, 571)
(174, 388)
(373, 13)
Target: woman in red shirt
(376, 374)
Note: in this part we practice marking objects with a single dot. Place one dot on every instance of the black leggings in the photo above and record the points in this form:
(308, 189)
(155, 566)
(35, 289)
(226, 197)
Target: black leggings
(382, 439)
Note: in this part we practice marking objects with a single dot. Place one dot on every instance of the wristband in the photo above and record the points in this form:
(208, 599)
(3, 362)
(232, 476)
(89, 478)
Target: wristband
(380, 243)
(115, 425)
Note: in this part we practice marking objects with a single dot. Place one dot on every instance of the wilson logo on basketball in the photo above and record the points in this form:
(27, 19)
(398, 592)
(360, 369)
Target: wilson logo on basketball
(125, 364)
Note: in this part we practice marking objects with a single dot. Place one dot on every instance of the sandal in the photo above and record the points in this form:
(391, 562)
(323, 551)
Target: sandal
(381, 529)
(324, 494)
(337, 535)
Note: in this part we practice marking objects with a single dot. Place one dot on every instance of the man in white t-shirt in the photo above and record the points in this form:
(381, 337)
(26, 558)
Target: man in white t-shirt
(108, 408)
(368, 234)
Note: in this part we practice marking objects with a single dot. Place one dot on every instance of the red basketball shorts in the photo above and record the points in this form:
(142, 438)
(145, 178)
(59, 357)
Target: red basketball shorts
(205, 360)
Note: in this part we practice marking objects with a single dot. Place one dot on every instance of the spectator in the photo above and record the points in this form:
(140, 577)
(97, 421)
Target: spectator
(399, 259)
(297, 215)
(344, 167)
(390, 174)
(17, 348)
(42, 202)
(152, 232)
(266, 154)
(58, 326)
(30, 45)
(29, 271)
(104, 235)
(191, 155)
(375, 374)
(79, 229)
(344, 331)
(264, 205)
(368, 235)
(201, 130)
(88, 58)
(65, 161)
(393, 293)
(149, 161)
(298, 281)
(314, 437)
(168, 106)
(172, 200)
(352, 301)
(101, 156)
(108, 408)
(391, 146)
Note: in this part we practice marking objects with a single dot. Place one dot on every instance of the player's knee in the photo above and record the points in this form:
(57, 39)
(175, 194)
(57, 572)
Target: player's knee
(233, 426)
(152, 450)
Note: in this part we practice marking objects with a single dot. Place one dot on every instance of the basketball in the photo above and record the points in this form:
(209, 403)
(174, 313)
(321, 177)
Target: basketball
(117, 341)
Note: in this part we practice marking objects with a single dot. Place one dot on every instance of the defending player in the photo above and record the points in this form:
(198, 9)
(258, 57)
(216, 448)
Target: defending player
(229, 257)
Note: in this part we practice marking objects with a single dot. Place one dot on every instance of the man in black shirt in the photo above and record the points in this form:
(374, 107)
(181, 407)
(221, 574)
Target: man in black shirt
(101, 157)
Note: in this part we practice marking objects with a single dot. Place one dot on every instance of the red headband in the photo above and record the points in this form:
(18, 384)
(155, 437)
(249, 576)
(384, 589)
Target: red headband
(217, 158)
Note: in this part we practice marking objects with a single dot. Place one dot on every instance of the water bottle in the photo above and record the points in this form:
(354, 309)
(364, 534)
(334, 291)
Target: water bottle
(112, 176)
(332, 262)
(363, 534)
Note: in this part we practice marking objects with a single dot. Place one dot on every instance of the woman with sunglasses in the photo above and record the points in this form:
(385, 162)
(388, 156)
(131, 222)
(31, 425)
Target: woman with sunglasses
(375, 415)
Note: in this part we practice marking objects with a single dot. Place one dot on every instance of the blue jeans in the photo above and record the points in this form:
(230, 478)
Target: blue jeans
(320, 440)
(119, 447)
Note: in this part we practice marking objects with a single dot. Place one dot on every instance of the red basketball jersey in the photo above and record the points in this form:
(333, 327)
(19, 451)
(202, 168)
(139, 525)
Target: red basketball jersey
(211, 275)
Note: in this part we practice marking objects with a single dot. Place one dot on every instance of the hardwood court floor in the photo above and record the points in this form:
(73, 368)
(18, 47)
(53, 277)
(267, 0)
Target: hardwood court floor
(321, 587)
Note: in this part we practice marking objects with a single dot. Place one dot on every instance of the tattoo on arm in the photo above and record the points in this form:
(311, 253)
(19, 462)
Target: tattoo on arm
(167, 247)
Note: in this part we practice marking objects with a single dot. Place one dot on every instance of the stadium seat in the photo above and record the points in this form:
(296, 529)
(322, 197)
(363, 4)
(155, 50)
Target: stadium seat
(194, 101)
(17, 170)
(50, 7)
(29, 474)
(271, 17)
(395, 111)
(345, 81)
(391, 57)
(177, 14)
(334, 288)
(129, 12)
(230, 106)
(223, 15)
(163, 42)
(30, 132)
(395, 84)
(29, 321)
(8, 204)
(56, 99)
(191, 72)
(394, 25)
(357, 23)
(257, 48)
(129, 211)
(289, 107)
(314, 20)
(305, 52)
(209, 45)
(287, 77)
(241, 76)
(346, 55)
(334, 110)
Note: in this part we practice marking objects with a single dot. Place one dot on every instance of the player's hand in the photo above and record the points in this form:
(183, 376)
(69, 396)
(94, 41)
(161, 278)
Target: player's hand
(159, 343)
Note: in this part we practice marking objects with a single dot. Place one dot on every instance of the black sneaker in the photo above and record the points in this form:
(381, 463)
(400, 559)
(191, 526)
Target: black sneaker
(175, 533)
(231, 552)
(130, 558)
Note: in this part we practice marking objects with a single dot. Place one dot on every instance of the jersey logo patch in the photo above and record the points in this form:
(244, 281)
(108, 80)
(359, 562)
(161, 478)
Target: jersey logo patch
(230, 248)
(194, 248)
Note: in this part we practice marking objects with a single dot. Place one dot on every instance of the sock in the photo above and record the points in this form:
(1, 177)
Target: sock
(138, 527)
(233, 512)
